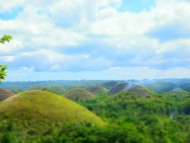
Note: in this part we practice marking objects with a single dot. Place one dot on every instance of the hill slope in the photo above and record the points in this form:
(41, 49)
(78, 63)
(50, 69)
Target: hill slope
(141, 91)
(118, 88)
(53, 89)
(4, 94)
(110, 84)
(34, 113)
(98, 90)
(132, 88)
(79, 94)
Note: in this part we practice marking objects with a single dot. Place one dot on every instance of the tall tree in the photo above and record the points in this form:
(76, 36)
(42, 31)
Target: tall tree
(5, 38)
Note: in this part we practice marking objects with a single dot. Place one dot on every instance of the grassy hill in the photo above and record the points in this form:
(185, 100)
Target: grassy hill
(132, 88)
(118, 88)
(179, 91)
(141, 91)
(110, 84)
(79, 94)
(4, 94)
(98, 90)
(35, 114)
(60, 90)
(161, 87)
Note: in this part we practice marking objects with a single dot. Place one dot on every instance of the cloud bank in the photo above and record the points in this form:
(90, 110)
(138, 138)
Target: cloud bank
(83, 35)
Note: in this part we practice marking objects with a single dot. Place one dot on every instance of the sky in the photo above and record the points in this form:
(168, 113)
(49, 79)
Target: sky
(95, 39)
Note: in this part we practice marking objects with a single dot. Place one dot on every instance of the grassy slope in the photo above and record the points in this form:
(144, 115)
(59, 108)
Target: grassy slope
(60, 90)
(142, 91)
(98, 90)
(4, 94)
(79, 93)
(46, 105)
(118, 88)
(35, 114)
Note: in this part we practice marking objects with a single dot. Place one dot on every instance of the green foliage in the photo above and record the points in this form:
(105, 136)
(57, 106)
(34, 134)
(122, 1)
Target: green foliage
(158, 118)
(135, 116)
(5, 38)
(3, 73)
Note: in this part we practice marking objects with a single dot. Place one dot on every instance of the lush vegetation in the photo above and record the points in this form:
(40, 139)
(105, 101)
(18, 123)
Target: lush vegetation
(5, 38)
(137, 115)
(35, 114)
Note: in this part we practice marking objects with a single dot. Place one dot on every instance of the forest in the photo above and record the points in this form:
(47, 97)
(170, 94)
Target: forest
(146, 111)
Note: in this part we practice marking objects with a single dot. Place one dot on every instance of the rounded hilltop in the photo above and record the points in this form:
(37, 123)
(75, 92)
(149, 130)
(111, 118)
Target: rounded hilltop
(131, 88)
(38, 112)
(44, 104)
(4, 94)
(141, 91)
(98, 90)
(118, 88)
(79, 93)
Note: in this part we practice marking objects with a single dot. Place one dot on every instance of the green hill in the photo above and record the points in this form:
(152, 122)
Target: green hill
(34, 114)
(179, 91)
(161, 87)
(60, 90)
(79, 94)
(132, 88)
(98, 90)
(110, 84)
(141, 91)
(4, 94)
(118, 88)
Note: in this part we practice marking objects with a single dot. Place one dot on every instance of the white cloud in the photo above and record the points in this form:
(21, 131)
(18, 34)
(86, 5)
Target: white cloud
(45, 30)
(7, 5)
(15, 45)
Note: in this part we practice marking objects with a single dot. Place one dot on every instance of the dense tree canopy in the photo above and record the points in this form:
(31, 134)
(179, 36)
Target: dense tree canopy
(5, 38)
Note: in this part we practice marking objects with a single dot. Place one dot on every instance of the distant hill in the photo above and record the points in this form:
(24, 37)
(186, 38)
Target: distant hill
(98, 90)
(161, 87)
(4, 94)
(186, 87)
(139, 90)
(118, 88)
(110, 84)
(60, 90)
(79, 94)
(179, 91)
(37, 113)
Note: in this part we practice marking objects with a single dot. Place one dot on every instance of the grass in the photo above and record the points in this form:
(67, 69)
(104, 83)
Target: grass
(4, 94)
(98, 90)
(34, 113)
(79, 94)
(142, 91)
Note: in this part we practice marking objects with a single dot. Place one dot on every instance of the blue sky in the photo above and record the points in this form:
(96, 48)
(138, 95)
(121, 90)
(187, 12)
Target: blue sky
(97, 39)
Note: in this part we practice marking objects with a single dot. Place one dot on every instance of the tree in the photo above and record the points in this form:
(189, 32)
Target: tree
(5, 38)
